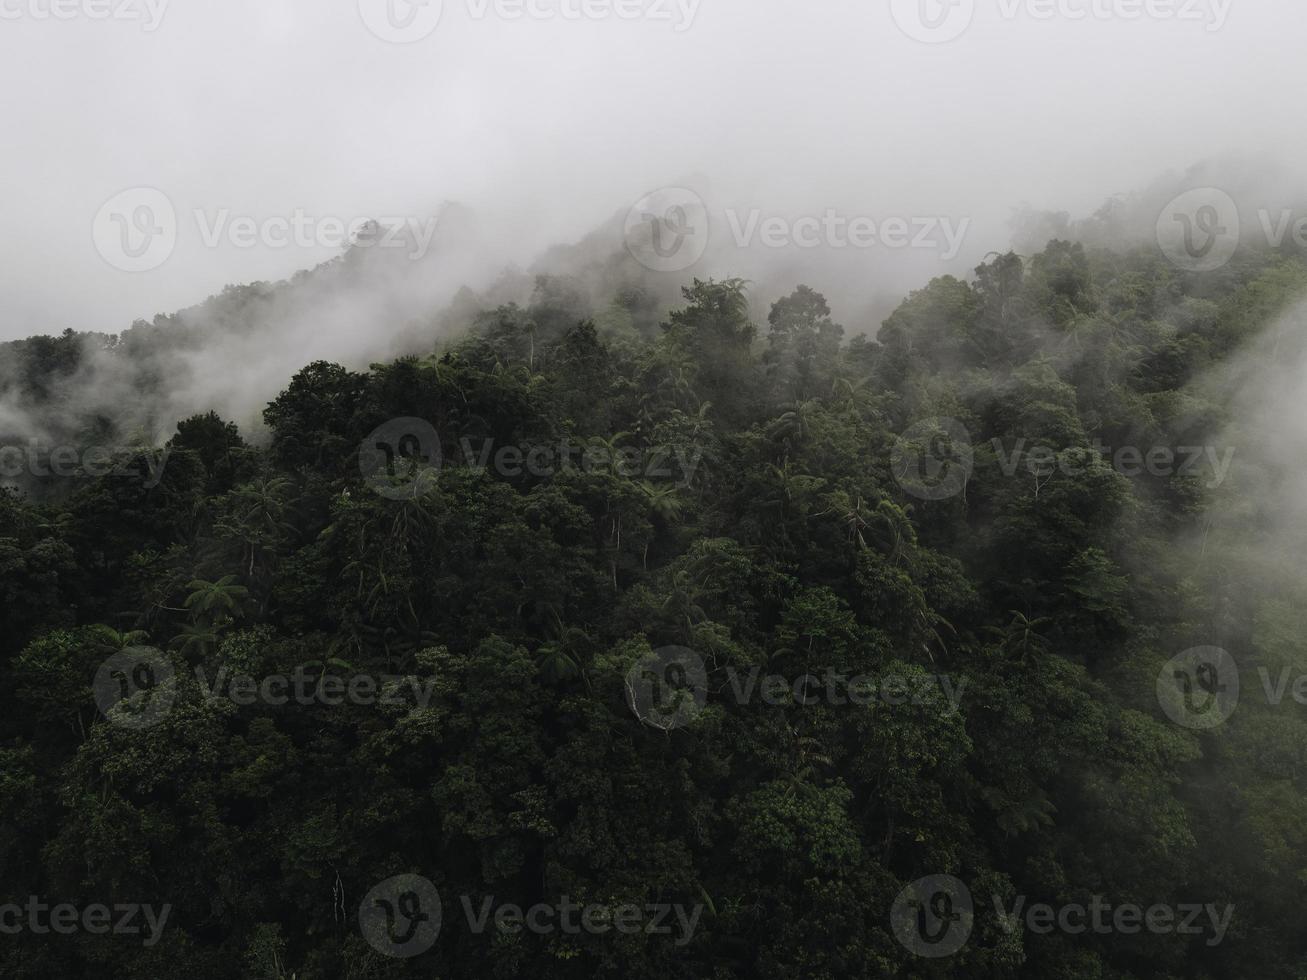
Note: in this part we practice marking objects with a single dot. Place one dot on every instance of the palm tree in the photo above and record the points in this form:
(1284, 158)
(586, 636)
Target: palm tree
(682, 600)
(58, 526)
(781, 492)
(264, 503)
(557, 663)
(680, 384)
(856, 519)
(663, 501)
(847, 392)
(898, 527)
(195, 637)
(1021, 636)
(257, 518)
(794, 426)
(610, 449)
(664, 504)
(115, 641)
(212, 600)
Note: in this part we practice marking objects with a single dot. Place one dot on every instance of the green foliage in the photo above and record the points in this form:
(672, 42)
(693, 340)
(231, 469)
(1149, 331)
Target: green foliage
(504, 609)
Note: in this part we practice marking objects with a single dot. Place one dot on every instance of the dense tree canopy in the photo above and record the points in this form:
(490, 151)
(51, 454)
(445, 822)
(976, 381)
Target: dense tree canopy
(712, 484)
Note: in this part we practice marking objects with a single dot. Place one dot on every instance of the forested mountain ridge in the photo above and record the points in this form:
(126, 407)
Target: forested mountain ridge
(741, 492)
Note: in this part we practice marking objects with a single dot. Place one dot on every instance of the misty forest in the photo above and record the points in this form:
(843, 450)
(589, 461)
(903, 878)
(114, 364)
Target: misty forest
(472, 635)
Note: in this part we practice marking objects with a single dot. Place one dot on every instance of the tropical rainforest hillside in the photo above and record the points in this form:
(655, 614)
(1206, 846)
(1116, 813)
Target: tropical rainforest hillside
(748, 494)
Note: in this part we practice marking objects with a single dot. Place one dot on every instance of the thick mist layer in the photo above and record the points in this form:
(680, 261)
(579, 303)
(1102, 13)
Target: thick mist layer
(407, 285)
(551, 121)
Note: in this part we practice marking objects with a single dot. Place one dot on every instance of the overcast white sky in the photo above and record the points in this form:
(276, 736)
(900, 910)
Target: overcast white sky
(266, 108)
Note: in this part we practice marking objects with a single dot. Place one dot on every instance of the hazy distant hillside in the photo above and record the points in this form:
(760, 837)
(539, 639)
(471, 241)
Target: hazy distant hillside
(231, 353)
(1025, 546)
